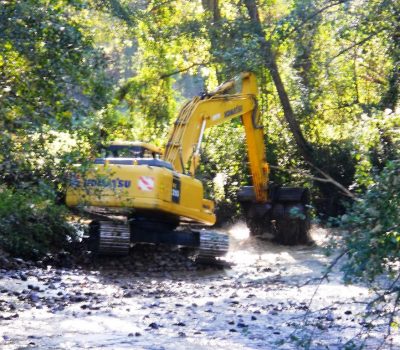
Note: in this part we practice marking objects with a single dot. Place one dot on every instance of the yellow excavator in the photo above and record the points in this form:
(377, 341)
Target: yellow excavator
(141, 193)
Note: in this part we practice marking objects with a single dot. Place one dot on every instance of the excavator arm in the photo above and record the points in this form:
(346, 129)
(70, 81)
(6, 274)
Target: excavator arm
(281, 211)
(233, 99)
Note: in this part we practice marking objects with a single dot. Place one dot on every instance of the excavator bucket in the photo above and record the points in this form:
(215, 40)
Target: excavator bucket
(284, 216)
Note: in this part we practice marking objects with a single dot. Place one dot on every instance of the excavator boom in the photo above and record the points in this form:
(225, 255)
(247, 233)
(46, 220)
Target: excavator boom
(233, 99)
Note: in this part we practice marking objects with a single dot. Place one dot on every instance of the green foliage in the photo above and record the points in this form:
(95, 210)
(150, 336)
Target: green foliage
(376, 141)
(224, 169)
(31, 224)
(372, 227)
(51, 72)
(53, 80)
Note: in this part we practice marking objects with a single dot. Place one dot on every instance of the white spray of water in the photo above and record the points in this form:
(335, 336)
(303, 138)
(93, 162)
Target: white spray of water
(239, 231)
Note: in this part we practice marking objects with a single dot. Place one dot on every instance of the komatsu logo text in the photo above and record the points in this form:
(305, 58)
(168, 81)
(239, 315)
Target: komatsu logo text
(99, 182)
(233, 111)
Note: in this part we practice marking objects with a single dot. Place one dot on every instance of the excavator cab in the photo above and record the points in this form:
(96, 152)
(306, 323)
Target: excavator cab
(132, 153)
(126, 149)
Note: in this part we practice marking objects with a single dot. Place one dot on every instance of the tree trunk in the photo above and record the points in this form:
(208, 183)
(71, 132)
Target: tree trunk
(303, 146)
(270, 62)
(213, 7)
(213, 26)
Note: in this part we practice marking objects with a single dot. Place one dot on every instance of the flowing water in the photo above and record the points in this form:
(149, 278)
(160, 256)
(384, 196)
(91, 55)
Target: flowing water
(270, 297)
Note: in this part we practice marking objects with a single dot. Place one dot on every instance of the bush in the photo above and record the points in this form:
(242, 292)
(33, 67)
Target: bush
(372, 227)
(31, 224)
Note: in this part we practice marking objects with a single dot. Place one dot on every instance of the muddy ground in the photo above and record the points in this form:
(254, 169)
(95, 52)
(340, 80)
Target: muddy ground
(270, 297)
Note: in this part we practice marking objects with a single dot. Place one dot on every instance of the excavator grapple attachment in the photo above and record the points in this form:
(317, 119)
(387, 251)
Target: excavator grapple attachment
(284, 216)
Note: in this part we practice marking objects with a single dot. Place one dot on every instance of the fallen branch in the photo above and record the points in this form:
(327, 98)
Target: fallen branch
(302, 173)
(334, 182)
(327, 178)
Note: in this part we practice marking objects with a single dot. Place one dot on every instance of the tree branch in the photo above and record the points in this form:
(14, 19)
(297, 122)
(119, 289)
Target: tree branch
(156, 7)
(334, 182)
(170, 74)
(295, 171)
(358, 43)
(316, 13)
(124, 89)
(327, 178)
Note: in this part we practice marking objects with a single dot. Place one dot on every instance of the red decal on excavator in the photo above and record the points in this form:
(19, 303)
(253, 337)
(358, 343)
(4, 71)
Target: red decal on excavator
(146, 183)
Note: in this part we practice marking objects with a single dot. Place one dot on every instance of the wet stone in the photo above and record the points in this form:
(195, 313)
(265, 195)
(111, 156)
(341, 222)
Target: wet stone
(23, 276)
(127, 294)
(330, 317)
(34, 297)
(32, 287)
(154, 325)
(77, 298)
(241, 324)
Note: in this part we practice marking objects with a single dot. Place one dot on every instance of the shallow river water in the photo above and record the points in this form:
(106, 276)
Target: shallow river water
(270, 297)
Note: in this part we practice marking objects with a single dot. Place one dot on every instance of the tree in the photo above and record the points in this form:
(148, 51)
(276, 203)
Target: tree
(52, 79)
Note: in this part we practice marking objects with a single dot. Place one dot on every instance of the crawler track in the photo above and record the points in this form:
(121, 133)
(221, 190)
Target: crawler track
(113, 238)
(212, 245)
